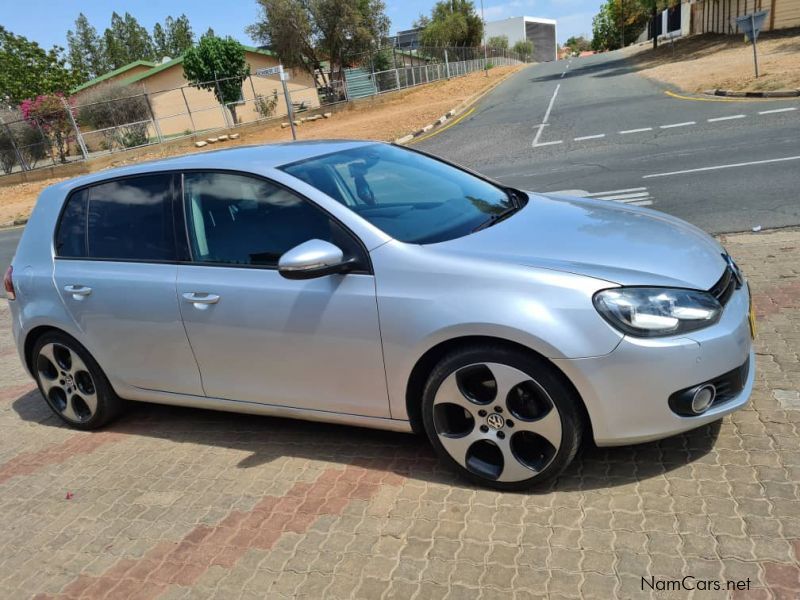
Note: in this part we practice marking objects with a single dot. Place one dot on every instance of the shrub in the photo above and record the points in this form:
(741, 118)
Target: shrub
(17, 136)
(265, 105)
(48, 114)
(123, 117)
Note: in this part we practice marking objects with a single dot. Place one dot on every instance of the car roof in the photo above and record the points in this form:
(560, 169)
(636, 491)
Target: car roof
(254, 159)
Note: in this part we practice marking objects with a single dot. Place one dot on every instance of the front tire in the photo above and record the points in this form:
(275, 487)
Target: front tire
(501, 417)
(72, 383)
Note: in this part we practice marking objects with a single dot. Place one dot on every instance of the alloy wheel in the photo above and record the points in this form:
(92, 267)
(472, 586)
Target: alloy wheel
(497, 422)
(67, 383)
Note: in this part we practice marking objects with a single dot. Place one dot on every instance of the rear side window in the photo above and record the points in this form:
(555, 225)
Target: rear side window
(71, 234)
(128, 219)
(131, 219)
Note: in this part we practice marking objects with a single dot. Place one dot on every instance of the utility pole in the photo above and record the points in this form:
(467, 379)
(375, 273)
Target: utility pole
(485, 58)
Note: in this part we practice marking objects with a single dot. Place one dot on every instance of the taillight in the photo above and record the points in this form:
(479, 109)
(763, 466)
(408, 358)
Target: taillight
(8, 283)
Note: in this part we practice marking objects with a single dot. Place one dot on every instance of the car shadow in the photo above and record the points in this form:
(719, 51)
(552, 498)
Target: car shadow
(266, 439)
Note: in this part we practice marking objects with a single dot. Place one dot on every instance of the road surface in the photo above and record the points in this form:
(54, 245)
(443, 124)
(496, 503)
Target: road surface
(593, 126)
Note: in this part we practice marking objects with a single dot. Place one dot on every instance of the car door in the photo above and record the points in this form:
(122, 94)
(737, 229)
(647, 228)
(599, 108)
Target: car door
(258, 337)
(115, 270)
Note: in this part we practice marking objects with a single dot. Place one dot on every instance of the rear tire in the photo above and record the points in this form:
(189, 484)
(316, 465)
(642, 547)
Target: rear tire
(502, 418)
(72, 383)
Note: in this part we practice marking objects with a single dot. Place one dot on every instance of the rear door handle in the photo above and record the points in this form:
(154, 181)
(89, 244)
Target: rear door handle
(79, 292)
(201, 300)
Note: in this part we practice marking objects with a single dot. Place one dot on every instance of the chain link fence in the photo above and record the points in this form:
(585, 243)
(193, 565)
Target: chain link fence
(114, 118)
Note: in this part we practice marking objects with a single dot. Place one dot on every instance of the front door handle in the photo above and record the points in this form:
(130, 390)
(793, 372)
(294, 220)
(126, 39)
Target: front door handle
(201, 300)
(79, 292)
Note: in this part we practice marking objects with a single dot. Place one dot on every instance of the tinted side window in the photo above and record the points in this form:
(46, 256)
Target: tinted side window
(240, 220)
(131, 219)
(71, 233)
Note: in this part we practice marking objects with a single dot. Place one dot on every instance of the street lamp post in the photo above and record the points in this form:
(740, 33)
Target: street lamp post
(485, 58)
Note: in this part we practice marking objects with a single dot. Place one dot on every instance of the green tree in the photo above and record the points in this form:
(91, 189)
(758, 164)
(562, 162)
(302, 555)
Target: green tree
(218, 65)
(27, 70)
(453, 23)
(498, 41)
(524, 48)
(305, 32)
(86, 52)
(578, 44)
(179, 34)
(127, 41)
(160, 42)
(618, 16)
(173, 38)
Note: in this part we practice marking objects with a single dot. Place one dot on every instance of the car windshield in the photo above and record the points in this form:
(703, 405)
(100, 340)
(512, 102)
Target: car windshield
(409, 196)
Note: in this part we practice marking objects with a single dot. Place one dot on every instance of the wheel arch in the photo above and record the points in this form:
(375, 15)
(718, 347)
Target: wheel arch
(30, 341)
(428, 361)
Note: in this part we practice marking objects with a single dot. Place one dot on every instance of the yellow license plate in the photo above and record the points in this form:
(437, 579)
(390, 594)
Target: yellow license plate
(752, 318)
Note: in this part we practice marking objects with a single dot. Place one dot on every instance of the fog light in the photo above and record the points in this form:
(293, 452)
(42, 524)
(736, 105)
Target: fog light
(702, 398)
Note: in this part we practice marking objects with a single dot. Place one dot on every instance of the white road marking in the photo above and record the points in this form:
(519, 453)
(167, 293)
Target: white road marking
(548, 143)
(639, 196)
(546, 117)
(776, 110)
(726, 118)
(627, 197)
(590, 137)
(671, 125)
(550, 106)
(638, 189)
(627, 131)
(562, 74)
(731, 166)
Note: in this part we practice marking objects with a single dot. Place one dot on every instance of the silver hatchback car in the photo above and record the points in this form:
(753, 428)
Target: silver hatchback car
(367, 284)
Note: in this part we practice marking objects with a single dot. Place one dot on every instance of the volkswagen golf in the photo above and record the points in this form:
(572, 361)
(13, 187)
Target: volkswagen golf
(372, 285)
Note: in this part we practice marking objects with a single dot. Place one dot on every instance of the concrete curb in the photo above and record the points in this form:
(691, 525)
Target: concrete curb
(453, 112)
(773, 94)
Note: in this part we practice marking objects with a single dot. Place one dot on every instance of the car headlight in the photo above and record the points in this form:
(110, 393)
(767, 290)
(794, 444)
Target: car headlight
(654, 312)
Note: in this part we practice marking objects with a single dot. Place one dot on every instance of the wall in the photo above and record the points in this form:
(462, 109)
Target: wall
(172, 100)
(718, 16)
(513, 29)
(543, 36)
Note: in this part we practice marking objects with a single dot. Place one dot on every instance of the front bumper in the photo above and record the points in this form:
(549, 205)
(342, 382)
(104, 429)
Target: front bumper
(626, 392)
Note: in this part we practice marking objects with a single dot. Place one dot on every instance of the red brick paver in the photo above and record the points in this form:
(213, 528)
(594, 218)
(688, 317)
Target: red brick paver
(173, 503)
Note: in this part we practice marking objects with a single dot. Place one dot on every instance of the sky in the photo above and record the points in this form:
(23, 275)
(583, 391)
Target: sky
(47, 22)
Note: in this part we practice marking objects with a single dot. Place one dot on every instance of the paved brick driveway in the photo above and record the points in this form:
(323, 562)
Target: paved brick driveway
(175, 503)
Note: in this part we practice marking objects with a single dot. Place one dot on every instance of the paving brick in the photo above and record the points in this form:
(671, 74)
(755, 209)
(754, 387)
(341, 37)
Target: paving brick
(230, 506)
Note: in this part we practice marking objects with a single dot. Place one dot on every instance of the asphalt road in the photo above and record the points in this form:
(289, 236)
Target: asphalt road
(595, 127)
(744, 166)
(8, 245)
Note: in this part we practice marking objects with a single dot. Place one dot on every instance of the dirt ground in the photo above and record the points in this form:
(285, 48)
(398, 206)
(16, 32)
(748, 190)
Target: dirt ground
(724, 62)
(388, 118)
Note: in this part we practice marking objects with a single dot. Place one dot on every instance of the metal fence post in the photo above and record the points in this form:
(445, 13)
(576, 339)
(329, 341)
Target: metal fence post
(222, 102)
(446, 64)
(397, 76)
(288, 97)
(188, 111)
(153, 117)
(22, 164)
(78, 136)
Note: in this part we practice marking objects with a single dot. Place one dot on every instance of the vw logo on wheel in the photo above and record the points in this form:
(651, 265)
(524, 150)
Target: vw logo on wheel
(495, 421)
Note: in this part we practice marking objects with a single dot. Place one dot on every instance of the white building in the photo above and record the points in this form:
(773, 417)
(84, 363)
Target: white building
(542, 32)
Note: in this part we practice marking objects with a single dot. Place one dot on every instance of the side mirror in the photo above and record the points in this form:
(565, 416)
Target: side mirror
(314, 258)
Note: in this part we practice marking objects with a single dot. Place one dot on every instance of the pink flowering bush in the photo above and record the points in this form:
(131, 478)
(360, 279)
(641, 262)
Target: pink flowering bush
(49, 114)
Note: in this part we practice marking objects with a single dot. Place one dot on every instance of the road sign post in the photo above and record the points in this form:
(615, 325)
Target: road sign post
(751, 26)
(284, 76)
